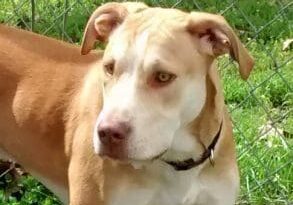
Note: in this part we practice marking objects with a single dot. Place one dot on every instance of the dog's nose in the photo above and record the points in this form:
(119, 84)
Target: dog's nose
(113, 132)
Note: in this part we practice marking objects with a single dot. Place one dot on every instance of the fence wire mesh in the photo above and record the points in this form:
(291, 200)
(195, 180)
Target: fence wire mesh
(261, 108)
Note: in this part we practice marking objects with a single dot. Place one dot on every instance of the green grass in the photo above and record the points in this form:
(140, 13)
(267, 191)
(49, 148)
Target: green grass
(265, 160)
(30, 192)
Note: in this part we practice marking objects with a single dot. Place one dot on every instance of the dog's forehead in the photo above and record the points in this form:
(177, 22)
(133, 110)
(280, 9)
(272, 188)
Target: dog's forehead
(154, 18)
(151, 20)
(151, 29)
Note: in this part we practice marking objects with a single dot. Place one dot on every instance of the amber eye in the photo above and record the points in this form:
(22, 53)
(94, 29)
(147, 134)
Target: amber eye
(163, 78)
(109, 68)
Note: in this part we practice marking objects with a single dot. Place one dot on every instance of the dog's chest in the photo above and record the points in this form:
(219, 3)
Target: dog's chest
(172, 188)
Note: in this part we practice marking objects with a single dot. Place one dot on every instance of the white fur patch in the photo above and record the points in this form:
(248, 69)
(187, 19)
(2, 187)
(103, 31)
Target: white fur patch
(97, 143)
(194, 93)
(184, 146)
(141, 45)
(119, 48)
(165, 187)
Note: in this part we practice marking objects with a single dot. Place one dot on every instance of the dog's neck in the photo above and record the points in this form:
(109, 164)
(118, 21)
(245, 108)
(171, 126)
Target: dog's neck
(207, 154)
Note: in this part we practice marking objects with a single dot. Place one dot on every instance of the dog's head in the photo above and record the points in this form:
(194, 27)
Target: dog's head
(155, 67)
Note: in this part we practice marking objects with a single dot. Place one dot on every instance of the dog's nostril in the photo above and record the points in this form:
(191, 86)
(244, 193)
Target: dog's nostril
(118, 136)
(111, 133)
(102, 134)
(110, 136)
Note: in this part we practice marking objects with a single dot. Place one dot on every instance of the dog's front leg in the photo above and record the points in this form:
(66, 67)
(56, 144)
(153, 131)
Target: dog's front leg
(85, 174)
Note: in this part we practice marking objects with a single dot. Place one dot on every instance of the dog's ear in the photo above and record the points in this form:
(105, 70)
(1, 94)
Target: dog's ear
(216, 37)
(104, 20)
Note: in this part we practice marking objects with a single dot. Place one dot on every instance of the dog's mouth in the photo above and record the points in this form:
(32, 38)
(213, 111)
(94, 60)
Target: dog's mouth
(177, 165)
(182, 165)
(159, 156)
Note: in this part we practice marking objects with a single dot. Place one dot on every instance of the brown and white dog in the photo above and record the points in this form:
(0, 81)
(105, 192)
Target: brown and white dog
(143, 123)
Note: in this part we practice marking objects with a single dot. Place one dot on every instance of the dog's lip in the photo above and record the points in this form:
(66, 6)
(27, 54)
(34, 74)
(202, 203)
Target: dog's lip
(128, 159)
(159, 155)
(178, 165)
(182, 165)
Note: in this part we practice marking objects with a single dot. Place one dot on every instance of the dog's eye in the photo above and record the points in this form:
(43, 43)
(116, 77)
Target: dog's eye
(163, 78)
(109, 68)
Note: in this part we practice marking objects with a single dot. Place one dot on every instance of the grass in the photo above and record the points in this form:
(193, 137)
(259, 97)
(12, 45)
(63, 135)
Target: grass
(30, 192)
(264, 104)
(261, 108)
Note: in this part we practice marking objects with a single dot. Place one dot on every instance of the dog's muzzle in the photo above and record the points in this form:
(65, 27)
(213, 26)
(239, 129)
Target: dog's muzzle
(113, 136)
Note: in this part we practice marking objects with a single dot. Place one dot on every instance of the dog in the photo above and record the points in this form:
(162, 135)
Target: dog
(141, 123)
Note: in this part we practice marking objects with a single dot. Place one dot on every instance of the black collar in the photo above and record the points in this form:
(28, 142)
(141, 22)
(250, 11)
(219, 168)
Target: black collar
(207, 154)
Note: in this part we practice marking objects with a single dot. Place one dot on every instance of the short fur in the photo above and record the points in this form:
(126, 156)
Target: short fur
(52, 101)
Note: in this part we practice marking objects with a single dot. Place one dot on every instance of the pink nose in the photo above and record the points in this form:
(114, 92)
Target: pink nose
(113, 132)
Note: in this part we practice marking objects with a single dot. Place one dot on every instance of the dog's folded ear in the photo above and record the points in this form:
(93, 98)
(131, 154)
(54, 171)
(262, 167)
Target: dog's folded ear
(216, 37)
(104, 20)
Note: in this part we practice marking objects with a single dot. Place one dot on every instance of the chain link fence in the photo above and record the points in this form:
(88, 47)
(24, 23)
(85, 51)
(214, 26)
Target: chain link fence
(261, 108)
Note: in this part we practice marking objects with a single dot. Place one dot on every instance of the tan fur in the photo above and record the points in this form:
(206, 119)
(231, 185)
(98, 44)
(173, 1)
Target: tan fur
(38, 77)
(50, 97)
